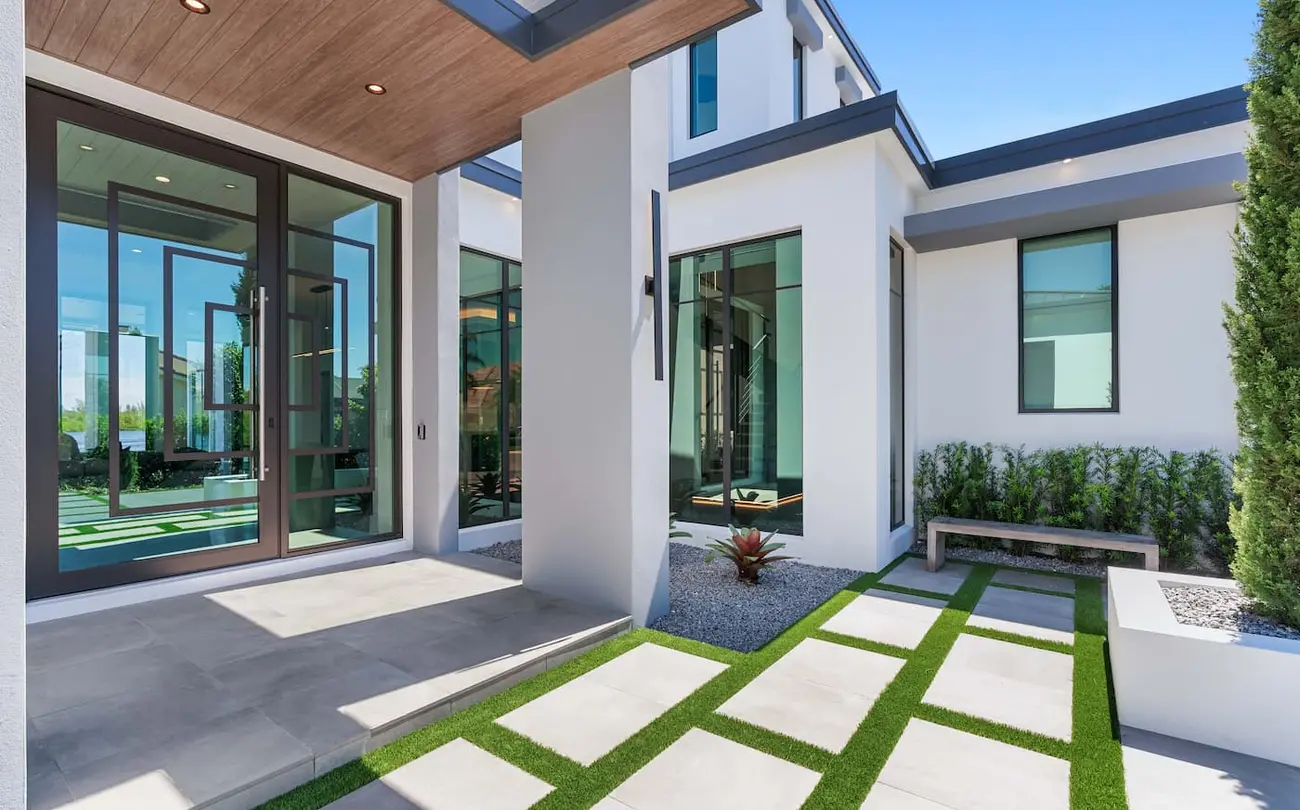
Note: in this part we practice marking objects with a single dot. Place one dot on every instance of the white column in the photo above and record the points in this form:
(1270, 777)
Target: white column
(595, 477)
(13, 417)
(434, 368)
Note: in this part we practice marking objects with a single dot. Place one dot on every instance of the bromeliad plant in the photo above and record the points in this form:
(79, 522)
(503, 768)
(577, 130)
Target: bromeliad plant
(749, 551)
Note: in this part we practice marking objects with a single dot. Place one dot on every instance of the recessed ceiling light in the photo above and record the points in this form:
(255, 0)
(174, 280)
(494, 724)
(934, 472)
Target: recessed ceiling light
(1067, 160)
(197, 6)
(162, 178)
(376, 89)
(136, 250)
(85, 147)
(231, 186)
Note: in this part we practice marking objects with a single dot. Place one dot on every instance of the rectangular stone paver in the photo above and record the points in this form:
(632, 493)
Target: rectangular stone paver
(1028, 579)
(890, 618)
(819, 692)
(1037, 615)
(457, 776)
(702, 770)
(1164, 773)
(1023, 687)
(911, 573)
(961, 771)
(591, 715)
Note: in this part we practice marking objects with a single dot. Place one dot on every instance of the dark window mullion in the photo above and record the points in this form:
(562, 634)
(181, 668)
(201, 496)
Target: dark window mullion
(727, 411)
(503, 415)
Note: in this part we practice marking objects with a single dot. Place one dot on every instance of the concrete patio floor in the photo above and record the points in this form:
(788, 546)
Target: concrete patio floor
(229, 698)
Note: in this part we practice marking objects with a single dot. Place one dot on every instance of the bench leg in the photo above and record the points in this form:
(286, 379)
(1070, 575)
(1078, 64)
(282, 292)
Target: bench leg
(934, 549)
(1153, 559)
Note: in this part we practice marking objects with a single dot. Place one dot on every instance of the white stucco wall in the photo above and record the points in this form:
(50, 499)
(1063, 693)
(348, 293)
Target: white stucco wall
(828, 196)
(490, 221)
(13, 417)
(1175, 385)
(756, 79)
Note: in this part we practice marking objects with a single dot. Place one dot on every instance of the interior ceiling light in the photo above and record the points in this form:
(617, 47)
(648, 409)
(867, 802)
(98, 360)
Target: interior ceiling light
(162, 178)
(376, 89)
(85, 147)
(1067, 160)
(231, 186)
(197, 6)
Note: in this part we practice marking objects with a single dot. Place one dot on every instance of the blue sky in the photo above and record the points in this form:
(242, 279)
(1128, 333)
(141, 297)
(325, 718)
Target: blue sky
(976, 73)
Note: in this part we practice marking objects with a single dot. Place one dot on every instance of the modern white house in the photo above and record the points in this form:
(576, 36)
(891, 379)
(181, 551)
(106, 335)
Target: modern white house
(306, 283)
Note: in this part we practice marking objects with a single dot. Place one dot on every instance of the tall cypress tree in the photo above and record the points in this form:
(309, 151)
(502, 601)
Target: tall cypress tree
(1264, 326)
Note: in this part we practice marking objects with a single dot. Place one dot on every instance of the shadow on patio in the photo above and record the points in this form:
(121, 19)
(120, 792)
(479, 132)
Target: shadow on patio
(237, 695)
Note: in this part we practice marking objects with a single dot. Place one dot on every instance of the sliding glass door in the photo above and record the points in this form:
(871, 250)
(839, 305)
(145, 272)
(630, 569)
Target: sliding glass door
(170, 343)
(736, 357)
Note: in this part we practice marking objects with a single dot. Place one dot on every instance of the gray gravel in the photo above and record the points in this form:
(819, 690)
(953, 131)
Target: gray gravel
(510, 551)
(709, 605)
(1222, 609)
(1083, 568)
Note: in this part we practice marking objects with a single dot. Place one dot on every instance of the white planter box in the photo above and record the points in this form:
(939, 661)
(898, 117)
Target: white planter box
(1229, 690)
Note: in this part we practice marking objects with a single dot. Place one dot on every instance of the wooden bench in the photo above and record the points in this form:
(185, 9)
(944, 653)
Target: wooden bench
(940, 527)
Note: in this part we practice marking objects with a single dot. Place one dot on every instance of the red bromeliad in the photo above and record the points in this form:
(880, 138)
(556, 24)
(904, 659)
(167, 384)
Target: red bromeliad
(749, 551)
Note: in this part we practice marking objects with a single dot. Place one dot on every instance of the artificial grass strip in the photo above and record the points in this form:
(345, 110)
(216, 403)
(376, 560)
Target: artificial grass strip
(1016, 638)
(860, 643)
(547, 765)
(849, 778)
(769, 742)
(978, 726)
(1097, 769)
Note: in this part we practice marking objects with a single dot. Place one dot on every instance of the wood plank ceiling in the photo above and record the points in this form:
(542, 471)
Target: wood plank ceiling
(298, 68)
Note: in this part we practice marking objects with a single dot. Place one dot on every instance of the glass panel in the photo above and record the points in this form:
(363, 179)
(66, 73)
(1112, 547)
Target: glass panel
(798, 81)
(704, 86)
(479, 274)
(514, 401)
(897, 466)
(1066, 311)
(342, 375)
(767, 410)
(482, 500)
(696, 344)
(693, 277)
(178, 340)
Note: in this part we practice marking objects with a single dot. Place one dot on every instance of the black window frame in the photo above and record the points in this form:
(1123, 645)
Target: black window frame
(1114, 322)
(800, 81)
(695, 130)
(898, 477)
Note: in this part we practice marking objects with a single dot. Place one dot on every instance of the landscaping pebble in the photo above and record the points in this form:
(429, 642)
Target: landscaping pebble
(709, 605)
(1222, 609)
(510, 551)
(1086, 568)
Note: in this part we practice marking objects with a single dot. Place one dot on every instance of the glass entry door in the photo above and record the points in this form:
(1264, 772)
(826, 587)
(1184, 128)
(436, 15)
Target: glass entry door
(156, 255)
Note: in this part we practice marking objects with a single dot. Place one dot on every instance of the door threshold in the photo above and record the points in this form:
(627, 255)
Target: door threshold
(77, 604)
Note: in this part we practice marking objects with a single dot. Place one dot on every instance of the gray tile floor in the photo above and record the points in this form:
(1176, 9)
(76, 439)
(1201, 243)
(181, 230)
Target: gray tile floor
(1165, 773)
(246, 692)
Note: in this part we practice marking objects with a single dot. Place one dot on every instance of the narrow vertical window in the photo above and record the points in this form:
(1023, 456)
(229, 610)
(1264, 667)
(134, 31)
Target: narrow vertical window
(799, 106)
(897, 400)
(704, 86)
(1068, 305)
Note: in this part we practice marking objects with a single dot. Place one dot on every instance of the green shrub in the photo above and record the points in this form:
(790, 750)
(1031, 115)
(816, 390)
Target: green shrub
(1181, 499)
(1264, 341)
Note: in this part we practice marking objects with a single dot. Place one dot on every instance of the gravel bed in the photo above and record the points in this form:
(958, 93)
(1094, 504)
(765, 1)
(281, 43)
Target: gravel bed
(1222, 609)
(709, 605)
(510, 551)
(1083, 568)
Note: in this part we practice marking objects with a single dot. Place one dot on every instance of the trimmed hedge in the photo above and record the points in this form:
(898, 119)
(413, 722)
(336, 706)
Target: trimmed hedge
(1182, 499)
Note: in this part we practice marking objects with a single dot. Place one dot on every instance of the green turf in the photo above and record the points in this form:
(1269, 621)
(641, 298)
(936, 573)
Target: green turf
(1096, 773)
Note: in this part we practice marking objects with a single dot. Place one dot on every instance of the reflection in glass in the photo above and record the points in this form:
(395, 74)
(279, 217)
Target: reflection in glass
(736, 386)
(491, 442)
(341, 370)
(1067, 354)
(156, 431)
(704, 86)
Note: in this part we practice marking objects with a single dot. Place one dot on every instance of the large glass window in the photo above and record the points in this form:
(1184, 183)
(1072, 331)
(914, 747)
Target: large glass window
(704, 86)
(1068, 305)
(491, 443)
(897, 401)
(736, 377)
(800, 105)
(342, 365)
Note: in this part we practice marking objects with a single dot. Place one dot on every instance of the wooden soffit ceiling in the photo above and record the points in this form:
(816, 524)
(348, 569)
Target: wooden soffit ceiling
(298, 68)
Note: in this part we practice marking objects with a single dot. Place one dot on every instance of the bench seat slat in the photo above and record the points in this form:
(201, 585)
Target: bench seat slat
(1044, 534)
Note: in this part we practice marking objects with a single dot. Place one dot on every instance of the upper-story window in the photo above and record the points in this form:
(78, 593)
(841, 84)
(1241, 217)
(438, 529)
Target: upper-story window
(704, 86)
(1068, 310)
(799, 80)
